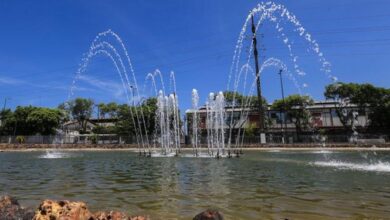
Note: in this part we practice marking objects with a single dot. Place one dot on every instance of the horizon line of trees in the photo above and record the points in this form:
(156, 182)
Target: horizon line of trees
(31, 120)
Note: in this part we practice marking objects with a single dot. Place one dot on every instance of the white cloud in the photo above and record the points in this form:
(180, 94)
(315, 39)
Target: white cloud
(113, 88)
(18, 82)
(10, 81)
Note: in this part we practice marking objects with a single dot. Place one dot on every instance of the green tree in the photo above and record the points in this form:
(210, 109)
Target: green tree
(112, 109)
(104, 130)
(126, 120)
(237, 100)
(250, 130)
(81, 110)
(65, 112)
(127, 117)
(29, 120)
(342, 93)
(364, 96)
(6, 116)
(295, 106)
(109, 109)
(19, 121)
(380, 115)
(234, 98)
(44, 120)
(102, 110)
(149, 108)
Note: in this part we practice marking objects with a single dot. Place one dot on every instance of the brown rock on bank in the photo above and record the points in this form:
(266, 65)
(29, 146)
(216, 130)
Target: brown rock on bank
(66, 210)
(113, 215)
(209, 215)
(62, 210)
(10, 210)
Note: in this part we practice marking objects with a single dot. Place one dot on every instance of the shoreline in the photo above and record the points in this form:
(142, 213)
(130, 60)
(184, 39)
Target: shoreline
(135, 150)
(10, 208)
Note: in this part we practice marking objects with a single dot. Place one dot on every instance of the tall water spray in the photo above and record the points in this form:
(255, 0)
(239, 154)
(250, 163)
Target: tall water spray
(195, 122)
(169, 132)
(215, 123)
(281, 19)
(120, 58)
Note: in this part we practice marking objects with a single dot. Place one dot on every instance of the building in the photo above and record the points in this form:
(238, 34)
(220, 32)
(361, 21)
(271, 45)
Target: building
(324, 116)
(74, 127)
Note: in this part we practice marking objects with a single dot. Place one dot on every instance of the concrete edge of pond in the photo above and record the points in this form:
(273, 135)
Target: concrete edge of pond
(133, 148)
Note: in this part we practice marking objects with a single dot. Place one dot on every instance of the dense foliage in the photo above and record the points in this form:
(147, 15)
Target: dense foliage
(30, 120)
(364, 96)
(131, 117)
(79, 109)
(124, 119)
(295, 107)
(237, 99)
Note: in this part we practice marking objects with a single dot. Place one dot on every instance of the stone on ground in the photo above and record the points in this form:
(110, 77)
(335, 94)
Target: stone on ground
(62, 210)
(11, 210)
(209, 215)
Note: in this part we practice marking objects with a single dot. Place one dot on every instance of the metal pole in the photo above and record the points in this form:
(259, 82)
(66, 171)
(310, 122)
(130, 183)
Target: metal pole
(5, 103)
(284, 104)
(2, 115)
(258, 84)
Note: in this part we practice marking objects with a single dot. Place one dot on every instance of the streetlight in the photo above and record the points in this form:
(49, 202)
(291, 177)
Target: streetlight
(3, 112)
(5, 102)
(284, 107)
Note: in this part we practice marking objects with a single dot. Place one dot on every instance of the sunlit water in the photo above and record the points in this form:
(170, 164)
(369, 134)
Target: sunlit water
(297, 185)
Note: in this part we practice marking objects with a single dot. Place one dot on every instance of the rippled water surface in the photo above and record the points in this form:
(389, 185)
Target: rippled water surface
(271, 185)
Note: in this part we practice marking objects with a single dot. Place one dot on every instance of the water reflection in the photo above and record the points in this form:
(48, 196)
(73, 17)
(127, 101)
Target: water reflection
(259, 185)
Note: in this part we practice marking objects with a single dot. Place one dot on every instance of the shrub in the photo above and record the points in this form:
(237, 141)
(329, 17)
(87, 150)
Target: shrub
(93, 139)
(20, 139)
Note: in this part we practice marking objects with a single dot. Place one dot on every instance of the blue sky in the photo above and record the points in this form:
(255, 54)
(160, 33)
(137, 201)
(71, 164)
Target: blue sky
(42, 44)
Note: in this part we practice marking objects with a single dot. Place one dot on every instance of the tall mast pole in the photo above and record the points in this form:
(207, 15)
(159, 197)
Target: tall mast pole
(259, 96)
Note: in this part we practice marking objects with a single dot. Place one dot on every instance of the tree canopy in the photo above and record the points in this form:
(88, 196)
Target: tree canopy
(29, 120)
(295, 106)
(363, 95)
(109, 109)
(237, 99)
(81, 110)
(127, 117)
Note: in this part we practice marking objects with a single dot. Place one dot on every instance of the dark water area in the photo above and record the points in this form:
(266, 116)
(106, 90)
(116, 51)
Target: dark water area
(271, 185)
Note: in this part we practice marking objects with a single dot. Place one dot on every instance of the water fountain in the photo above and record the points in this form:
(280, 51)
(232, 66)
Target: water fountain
(167, 117)
(167, 134)
(103, 44)
(219, 131)
(215, 120)
(282, 21)
(354, 124)
(195, 122)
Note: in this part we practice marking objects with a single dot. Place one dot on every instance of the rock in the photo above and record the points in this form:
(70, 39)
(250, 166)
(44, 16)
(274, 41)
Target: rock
(11, 210)
(6, 201)
(66, 210)
(139, 218)
(62, 210)
(57, 210)
(110, 215)
(113, 215)
(209, 215)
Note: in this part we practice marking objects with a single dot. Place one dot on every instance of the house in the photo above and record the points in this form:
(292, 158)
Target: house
(323, 116)
(74, 127)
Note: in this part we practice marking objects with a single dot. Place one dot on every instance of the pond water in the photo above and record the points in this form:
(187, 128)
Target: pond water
(271, 185)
